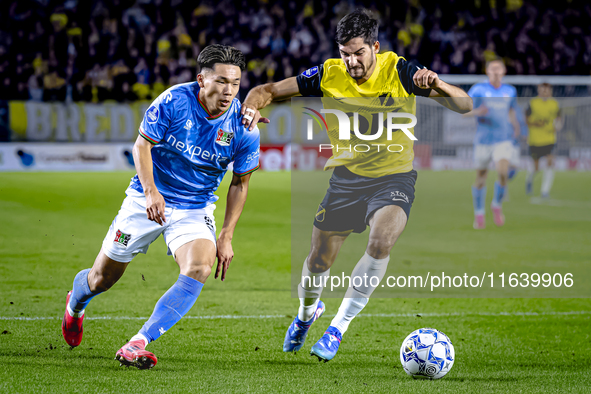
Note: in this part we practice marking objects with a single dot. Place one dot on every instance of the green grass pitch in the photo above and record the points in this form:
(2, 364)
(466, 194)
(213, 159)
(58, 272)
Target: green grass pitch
(52, 226)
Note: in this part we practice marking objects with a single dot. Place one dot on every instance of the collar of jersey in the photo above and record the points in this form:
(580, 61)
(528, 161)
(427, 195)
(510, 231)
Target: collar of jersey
(492, 86)
(209, 117)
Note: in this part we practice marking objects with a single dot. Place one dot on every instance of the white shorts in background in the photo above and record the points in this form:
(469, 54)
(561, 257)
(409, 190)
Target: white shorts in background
(132, 232)
(484, 154)
(515, 158)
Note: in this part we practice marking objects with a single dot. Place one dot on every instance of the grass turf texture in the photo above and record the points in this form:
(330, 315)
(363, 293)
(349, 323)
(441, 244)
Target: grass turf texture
(53, 225)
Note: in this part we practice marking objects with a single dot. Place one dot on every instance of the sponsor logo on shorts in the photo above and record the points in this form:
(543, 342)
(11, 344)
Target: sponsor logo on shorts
(399, 196)
(209, 223)
(224, 137)
(320, 214)
(121, 238)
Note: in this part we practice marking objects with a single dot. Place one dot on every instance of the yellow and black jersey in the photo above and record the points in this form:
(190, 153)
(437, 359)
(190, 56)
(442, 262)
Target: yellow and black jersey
(392, 86)
(541, 115)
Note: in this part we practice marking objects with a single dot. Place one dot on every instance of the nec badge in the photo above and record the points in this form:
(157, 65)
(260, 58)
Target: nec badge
(309, 73)
(152, 114)
(224, 137)
(122, 238)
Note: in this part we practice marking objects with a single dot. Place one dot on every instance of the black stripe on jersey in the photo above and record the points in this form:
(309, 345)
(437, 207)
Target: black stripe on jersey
(310, 86)
(406, 71)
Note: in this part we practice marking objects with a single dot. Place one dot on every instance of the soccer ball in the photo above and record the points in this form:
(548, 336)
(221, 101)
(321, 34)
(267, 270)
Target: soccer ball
(427, 353)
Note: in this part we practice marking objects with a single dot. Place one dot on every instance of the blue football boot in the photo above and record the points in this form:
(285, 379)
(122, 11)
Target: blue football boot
(327, 346)
(298, 330)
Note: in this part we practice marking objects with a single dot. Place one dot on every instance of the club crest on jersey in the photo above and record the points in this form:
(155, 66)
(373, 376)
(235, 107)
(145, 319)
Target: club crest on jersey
(121, 238)
(152, 114)
(224, 137)
(189, 124)
(399, 196)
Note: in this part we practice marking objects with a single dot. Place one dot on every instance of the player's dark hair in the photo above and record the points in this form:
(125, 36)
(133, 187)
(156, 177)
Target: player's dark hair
(359, 23)
(220, 54)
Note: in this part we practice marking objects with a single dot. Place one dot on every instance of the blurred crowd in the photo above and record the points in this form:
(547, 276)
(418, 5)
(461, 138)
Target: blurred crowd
(75, 50)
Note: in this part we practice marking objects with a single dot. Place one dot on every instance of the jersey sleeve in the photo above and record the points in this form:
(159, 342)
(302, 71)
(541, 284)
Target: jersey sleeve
(246, 159)
(309, 81)
(406, 72)
(157, 118)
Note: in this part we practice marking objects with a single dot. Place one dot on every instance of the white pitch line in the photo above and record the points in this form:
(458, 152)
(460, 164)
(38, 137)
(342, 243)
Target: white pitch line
(229, 317)
(559, 203)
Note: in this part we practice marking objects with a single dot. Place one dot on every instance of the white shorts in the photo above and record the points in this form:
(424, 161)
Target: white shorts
(132, 232)
(515, 158)
(483, 154)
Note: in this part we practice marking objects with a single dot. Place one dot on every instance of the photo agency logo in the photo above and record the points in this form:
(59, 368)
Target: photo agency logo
(370, 133)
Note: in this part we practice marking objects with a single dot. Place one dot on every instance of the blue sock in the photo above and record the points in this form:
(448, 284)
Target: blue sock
(498, 194)
(511, 173)
(479, 199)
(171, 307)
(81, 294)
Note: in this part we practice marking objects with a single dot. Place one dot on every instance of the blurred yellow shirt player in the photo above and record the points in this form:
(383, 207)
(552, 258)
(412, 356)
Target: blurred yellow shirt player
(543, 119)
(541, 115)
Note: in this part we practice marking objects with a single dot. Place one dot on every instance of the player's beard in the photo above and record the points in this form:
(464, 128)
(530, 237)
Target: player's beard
(363, 69)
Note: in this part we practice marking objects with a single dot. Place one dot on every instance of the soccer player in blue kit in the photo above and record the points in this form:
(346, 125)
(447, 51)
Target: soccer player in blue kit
(188, 137)
(495, 107)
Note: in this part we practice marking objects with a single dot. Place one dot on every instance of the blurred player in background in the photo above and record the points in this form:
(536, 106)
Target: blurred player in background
(365, 188)
(543, 119)
(495, 106)
(188, 136)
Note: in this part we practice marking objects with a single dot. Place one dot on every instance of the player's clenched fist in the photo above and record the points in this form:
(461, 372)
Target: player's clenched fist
(425, 79)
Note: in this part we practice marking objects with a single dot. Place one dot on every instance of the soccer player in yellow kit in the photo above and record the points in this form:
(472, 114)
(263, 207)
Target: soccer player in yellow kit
(382, 182)
(543, 119)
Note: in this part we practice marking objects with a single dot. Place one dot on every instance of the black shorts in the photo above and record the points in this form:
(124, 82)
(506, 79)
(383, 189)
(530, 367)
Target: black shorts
(351, 199)
(537, 152)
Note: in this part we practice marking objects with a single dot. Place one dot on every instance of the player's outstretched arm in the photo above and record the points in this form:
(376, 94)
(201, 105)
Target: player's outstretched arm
(263, 95)
(142, 157)
(235, 203)
(478, 111)
(454, 98)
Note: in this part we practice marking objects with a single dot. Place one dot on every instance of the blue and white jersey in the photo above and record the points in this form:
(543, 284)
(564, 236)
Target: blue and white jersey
(494, 127)
(193, 149)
